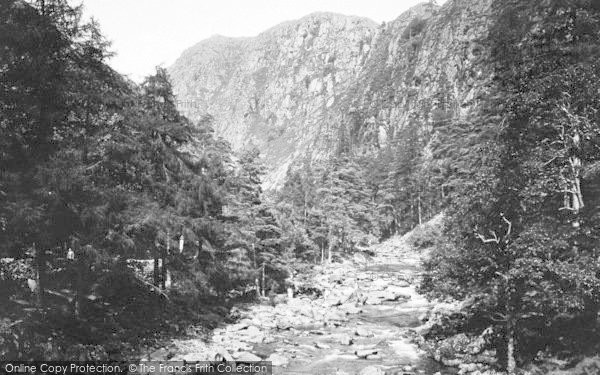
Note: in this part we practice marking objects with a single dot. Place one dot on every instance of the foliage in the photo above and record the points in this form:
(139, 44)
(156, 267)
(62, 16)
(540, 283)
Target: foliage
(521, 230)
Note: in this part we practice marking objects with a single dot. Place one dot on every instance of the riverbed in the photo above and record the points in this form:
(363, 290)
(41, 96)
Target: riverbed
(361, 324)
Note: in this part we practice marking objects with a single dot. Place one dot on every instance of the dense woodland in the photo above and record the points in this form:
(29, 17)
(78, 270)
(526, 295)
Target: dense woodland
(97, 170)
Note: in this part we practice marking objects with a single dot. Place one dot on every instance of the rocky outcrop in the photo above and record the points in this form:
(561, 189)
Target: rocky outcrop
(328, 82)
(273, 91)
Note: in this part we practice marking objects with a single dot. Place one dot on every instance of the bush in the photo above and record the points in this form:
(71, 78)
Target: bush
(426, 235)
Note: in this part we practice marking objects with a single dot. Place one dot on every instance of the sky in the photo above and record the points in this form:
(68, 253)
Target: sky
(149, 33)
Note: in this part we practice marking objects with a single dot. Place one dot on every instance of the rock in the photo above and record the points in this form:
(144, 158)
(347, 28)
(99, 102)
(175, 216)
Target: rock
(379, 284)
(252, 334)
(193, 357)
(252, 331)
(284, 324)
(465, 368)
(345, 339)
(407, 368)
(159, 355)
(278, 299)
(363, 332)
(371, 370)
(373, 357)
(359, 258)
(395, 293)
(321, 345)
(350, 309)
(402, 283)
(451, 362)
(223, 355)
(364, 353)
(373, 301)
(269, 340)
(243, 324)
(246, 357)
(278, 360)
(339, 296)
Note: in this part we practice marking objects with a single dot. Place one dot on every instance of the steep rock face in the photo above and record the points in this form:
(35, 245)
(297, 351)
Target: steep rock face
(425, 67)
(274, 90)
(329, 82)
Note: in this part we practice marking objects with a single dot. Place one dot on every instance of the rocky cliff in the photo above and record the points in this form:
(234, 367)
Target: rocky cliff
(328, 81)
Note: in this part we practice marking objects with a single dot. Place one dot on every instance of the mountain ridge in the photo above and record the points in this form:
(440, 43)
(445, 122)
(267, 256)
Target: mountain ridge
(299, 88)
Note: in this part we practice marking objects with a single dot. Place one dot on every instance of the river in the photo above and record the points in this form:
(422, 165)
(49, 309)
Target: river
(362, 323)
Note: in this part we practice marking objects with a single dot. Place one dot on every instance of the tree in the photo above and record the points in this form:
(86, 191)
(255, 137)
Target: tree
(518, 221)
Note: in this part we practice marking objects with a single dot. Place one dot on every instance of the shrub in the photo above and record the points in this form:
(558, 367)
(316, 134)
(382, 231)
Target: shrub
(426, 235)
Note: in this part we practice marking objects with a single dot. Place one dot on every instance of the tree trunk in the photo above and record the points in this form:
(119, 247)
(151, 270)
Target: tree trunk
(156, 269)
(40, 262)
(329, 243)
(165, 254)
(163, 270)
(419, 208)
(511, 364)
(263, 280)
(78, 286)
(305, 209)
(322, 254)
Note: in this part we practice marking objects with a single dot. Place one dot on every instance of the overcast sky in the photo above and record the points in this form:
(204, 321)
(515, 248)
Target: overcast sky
(147, 33)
